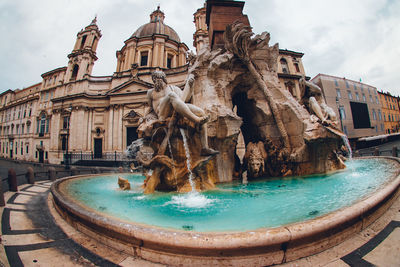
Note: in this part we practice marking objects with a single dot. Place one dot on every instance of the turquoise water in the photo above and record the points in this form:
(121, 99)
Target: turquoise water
(234, 206)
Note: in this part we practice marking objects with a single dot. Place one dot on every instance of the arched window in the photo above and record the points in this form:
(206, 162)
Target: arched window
(284, 65)
(296, 65)
(75, 72)
(83, 41)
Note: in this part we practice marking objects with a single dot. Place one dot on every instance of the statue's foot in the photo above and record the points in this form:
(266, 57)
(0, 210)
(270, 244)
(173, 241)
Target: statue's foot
(203, 120)
(208, 152)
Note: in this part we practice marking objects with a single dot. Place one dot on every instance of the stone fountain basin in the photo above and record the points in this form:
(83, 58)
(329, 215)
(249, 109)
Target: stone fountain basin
(263, 246)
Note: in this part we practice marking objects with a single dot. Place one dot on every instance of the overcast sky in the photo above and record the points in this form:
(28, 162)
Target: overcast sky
(345, 38)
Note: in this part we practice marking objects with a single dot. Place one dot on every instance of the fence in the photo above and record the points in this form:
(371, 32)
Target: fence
(73, 157)
(375, 151)
(29, 175)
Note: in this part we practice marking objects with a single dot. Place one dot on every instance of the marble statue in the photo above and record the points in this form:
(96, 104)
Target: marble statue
(123, 183)
(164, 98)
(313, 99)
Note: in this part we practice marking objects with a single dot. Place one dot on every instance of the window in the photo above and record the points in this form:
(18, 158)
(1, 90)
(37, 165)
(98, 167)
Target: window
(376, 100)
(349, 95)
(22, 128)
(66, 122)
(284, 65)
(342, 112)
(27, 148)
(338, 94)
(379, 114)
(296, 66)
(74, 72)
(355, 87)
(382, 128)
(22, 148)
(336, 83)
(373, 114)
(364, 98)
(357, 97)
(370, 99)
(83, 41)
(169, 61)
(144, 56)
(42, 127)
(347, 84)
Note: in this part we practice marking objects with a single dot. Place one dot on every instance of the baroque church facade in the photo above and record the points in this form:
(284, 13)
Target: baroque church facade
(73, 112)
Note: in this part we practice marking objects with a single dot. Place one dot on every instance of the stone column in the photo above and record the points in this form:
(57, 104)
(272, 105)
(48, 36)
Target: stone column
(89, 130)
(120, 128)
(109, 129)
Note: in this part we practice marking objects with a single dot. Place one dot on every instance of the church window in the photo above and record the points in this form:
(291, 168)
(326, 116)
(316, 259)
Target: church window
(144, 56)
(169, 61)
(284, 65)
(83, 41)
(75, 72)
(94, 41)
(296, 65)
(66, 122)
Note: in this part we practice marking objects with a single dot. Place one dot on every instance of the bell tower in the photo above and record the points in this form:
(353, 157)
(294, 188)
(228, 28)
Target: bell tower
(83, 56)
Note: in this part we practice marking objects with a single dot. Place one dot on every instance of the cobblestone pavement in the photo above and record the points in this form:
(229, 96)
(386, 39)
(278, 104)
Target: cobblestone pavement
(31, 237)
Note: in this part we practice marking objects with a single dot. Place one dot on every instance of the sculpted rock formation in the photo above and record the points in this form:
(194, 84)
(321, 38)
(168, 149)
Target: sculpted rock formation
(233, 90)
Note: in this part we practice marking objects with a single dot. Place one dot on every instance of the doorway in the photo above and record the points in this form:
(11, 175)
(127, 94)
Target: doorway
(41, 156)
(131, 135)
(98, 148)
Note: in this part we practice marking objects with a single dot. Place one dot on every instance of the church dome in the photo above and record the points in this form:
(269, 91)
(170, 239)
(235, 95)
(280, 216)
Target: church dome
(156, 26)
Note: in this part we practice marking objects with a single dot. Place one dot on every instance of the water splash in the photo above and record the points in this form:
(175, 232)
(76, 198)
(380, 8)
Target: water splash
(188, 158)
(347, 144)
(173, 166)
(132, 150)
(191, 200)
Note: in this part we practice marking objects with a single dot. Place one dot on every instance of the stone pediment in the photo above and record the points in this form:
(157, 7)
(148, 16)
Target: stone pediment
(132, 116)
(131, 86)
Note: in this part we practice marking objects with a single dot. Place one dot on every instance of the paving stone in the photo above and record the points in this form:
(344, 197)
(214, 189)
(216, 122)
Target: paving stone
(24, 239)
(387, 253)
(133, 262)
(49, 257)
(20, 221)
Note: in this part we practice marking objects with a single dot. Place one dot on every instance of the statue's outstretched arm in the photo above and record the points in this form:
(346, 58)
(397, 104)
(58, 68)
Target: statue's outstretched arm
(188, 90)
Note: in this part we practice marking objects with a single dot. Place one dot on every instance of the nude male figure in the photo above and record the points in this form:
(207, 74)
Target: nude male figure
(312, 97)
(164, 98)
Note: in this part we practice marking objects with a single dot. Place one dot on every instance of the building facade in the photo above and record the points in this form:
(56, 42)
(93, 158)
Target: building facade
(357, 104)
(390, 111)
(72, 111)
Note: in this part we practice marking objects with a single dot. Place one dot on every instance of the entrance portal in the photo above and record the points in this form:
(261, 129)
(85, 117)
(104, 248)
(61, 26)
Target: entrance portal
(98, 148)
(131, 135)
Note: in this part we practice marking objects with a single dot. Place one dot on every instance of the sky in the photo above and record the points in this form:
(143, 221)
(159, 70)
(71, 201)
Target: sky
(356, 39)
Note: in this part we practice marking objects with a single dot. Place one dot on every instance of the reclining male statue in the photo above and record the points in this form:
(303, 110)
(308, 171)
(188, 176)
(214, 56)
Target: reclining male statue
(164, 98)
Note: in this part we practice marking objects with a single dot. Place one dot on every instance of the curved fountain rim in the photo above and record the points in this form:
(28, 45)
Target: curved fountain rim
(218, 240)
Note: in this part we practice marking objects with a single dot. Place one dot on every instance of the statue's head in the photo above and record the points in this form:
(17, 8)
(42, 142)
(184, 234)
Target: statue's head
(158, 75)
(255, 165)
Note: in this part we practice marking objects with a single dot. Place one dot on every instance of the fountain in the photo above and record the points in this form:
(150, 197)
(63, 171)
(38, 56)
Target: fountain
(185, 208)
